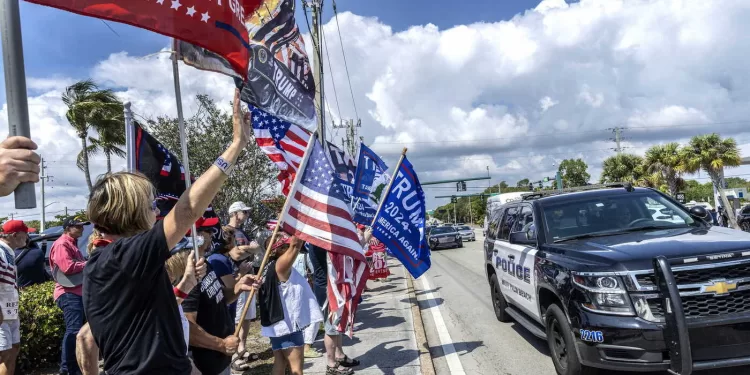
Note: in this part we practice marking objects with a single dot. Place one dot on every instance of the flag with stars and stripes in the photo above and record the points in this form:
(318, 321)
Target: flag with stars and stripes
(283, 142)
(318, 214)
(214, 25)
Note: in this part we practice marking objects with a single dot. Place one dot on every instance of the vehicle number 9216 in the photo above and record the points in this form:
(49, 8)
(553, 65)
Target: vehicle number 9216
(592, 336)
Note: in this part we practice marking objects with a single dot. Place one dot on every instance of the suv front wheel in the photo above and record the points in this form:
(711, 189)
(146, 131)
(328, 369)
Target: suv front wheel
(562, 344)
(498, 300)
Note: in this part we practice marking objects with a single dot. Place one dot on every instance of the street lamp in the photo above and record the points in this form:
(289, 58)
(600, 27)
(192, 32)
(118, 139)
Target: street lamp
(44, 216)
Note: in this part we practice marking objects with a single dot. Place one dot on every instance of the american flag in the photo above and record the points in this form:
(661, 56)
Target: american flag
(282, 141)
(318, 214)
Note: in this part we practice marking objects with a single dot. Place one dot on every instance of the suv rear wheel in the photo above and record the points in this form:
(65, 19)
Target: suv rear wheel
(498, 300)
(562, 344)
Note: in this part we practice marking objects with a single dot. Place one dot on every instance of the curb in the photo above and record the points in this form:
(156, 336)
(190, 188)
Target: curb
(425, 358)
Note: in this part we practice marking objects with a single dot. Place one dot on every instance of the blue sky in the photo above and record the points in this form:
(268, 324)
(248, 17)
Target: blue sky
(58, 43)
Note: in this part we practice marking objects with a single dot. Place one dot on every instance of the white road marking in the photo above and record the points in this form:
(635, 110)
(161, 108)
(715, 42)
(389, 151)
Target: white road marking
(449, 351)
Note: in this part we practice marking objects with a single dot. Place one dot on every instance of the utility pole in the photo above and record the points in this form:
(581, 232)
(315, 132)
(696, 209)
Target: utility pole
(43, 178)
(66, 211)
(318, 63)
(12, 215)
(471, 215)
(455, 216)
(618, 139)
(350, 141)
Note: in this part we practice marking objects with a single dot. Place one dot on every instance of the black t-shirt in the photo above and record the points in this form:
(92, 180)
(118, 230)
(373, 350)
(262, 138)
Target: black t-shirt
(131, 307)
(207, 300)
(30, 268)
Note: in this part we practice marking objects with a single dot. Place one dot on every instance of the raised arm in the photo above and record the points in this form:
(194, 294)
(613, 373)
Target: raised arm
(286, 261)
(194, 201)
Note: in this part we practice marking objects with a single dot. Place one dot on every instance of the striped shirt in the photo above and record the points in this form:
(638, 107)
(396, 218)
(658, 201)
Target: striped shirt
(7, 268)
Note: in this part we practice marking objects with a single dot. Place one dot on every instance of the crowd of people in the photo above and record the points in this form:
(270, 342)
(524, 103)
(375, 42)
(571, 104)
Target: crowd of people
(150, 300)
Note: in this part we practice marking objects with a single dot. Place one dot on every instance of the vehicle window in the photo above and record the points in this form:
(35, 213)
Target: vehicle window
(746, 210)
(441, 230)
(497, 217)
(525, 218)
(511, 215)
(463, 228)
(625, 212)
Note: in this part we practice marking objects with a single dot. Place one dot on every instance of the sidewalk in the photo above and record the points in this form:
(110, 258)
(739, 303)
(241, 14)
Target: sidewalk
(384, 333)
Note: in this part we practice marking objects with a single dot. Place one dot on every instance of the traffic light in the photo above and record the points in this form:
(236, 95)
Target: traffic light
(531, 186)
(461, 186)
(454, 200)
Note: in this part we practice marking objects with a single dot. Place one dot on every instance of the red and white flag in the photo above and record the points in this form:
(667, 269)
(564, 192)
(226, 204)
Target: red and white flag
(217, 26)
(283, 142)
(318, 214)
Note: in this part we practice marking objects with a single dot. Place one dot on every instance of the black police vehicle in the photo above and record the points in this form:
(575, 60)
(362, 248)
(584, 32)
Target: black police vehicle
(611, 282)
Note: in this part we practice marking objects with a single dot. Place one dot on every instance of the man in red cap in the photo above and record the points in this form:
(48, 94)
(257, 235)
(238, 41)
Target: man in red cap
(15, 234)
(66, 264)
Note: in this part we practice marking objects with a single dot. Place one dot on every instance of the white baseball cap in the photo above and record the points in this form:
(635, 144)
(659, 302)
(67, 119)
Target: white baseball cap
(238, 206)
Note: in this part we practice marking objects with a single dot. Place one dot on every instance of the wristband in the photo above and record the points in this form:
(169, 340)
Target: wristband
(179, 293)
(224, 165)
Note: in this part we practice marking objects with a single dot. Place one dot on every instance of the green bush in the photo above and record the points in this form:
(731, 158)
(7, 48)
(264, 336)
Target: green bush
(42, 328)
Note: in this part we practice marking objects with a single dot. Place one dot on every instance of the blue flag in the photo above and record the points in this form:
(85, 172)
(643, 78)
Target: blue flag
(400, 223)
(363, 212)
(369, 174)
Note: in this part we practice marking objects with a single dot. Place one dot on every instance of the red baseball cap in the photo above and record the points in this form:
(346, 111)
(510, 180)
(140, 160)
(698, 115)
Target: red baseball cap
(206, 222)
(16, 226)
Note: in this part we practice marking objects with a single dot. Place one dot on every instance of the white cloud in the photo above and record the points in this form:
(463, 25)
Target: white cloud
(516, 95)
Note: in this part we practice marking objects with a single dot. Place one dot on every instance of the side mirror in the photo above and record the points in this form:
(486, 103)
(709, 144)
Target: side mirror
(701, 213)
(523, 238)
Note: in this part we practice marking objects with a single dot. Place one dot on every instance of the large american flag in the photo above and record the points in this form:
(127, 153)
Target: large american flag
(318, 214)
(282, 141)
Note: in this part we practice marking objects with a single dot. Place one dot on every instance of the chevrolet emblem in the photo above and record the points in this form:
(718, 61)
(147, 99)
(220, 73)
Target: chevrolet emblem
(719, 287)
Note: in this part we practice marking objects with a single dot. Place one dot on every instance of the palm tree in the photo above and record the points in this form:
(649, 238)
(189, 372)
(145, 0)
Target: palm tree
(110, 124)
(85, 101)
(711, 153)
(622, 168)
(667, 162)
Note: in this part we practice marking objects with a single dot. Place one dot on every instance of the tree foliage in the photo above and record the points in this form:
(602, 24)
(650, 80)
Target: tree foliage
(209, 132)
(667, 162)
(622, 168)
(574, 172)
(523, 183)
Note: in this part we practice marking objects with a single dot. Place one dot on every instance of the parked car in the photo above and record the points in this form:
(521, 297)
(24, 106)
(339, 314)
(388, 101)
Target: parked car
(743, 219)
(45, 240)
(444, 237)
(466, 232)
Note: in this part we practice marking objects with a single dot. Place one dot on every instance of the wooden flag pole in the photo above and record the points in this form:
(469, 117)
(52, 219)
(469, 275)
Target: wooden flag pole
(297, 178)
(387, 189)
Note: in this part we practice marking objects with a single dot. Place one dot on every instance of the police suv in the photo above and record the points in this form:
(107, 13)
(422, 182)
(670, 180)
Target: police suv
(621, 278)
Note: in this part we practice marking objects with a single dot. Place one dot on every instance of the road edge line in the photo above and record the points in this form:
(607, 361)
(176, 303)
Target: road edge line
(425, 358)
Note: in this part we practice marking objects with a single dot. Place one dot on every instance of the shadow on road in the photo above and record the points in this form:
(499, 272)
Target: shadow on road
(461, 348)
(388, 359)
(421, 292)
(424, 304)
(539, 344)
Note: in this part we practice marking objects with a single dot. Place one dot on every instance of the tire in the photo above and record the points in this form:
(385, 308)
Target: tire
(460, 244)
(745, 226)
(498, 300)
(561, 344)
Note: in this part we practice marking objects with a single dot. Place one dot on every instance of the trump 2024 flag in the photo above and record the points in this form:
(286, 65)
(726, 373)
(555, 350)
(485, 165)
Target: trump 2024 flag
(215, 25)
(400, 223)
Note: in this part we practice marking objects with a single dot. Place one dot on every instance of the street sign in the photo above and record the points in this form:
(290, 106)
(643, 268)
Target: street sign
(680, 198)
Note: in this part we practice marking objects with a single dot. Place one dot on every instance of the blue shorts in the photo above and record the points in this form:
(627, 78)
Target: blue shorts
(292, 340)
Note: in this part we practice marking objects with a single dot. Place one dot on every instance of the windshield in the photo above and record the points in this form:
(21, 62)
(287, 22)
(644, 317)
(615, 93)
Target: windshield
(442, 230)
(463, 228)
(611, 215)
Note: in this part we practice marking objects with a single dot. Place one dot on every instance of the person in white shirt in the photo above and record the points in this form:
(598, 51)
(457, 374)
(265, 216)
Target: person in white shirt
(15, 234)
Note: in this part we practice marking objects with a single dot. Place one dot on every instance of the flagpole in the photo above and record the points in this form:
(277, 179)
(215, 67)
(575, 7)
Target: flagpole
(183, 140)
(15, 89)
(129, 138)
(387, 189)
(297, 179)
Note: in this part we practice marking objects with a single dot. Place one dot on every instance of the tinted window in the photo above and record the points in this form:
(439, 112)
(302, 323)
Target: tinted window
(463, 228)
(442, 230)
(497, 216)
(611, 214)
(746, 210)
(511, 215)
(525, 218)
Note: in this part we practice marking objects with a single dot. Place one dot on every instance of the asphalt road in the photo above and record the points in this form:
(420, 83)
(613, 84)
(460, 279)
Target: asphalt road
(462, 332)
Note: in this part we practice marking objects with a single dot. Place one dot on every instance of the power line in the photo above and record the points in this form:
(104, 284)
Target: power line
(341, 40)
(330, 69)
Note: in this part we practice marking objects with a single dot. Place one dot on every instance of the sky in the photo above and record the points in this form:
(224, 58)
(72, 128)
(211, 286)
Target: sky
(513, 87)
